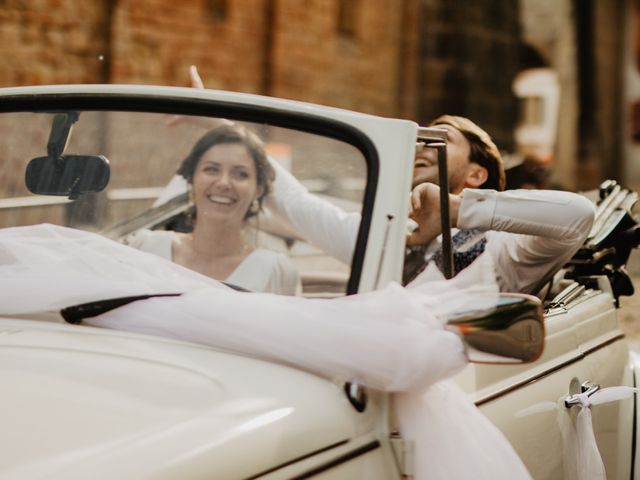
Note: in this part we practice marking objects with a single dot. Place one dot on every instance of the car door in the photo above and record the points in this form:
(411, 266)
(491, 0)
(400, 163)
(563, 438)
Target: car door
(526, 402)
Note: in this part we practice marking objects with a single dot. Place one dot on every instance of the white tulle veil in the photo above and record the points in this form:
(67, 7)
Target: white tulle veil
(392, 339)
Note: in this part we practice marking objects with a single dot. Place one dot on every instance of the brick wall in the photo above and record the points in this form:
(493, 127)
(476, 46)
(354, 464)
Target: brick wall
(51, 41)
(155, 41)
(411, 58)
(284, 48)
(361, 70)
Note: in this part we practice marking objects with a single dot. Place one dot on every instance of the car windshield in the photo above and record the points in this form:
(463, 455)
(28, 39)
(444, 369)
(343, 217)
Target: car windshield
(207, 193)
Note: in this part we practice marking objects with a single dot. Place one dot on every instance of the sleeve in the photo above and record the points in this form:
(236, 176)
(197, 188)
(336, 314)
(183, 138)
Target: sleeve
(318, 221)
(531, 234)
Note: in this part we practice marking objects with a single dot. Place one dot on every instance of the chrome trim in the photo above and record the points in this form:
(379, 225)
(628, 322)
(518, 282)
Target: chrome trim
(562, 308)
(587, 388)
(567, 295)
(436, 137)
(335, 462)
(403, 453)
(357, 396)
(534, 378)
(299, 459)
(437, 134)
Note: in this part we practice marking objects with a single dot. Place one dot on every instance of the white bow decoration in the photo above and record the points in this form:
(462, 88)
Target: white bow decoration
(586, 461)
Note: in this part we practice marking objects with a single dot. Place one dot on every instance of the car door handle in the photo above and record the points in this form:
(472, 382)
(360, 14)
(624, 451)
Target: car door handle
(587, 388)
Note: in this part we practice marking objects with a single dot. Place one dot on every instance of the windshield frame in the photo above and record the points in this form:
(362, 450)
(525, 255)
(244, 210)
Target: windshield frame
(173, 104)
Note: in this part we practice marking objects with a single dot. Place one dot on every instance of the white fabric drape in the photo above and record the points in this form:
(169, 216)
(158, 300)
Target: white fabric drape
(452, 439)
(581, 454)
(393, 339)
(46, 267)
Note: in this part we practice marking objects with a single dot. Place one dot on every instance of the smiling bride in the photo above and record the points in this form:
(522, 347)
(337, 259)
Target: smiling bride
(228, 176)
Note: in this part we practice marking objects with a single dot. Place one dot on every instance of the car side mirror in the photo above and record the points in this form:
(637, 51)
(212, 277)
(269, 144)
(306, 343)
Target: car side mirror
(67, 175)
(512, 331)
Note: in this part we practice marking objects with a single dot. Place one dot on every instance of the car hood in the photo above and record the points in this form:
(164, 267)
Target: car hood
(81, 402)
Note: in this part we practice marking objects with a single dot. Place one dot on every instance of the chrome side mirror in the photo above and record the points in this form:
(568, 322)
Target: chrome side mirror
(510, 332)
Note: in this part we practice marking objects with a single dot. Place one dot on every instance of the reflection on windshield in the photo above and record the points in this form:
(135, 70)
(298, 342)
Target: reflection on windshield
(235, 201)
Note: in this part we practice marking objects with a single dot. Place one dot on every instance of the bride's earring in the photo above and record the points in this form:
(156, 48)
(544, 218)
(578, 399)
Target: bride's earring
(254, 208)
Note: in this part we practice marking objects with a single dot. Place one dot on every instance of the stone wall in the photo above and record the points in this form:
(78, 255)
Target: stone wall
(586, 43)
(469, 55)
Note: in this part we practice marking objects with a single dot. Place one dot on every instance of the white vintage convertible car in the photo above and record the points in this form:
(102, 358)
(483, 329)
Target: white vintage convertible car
(85, 402)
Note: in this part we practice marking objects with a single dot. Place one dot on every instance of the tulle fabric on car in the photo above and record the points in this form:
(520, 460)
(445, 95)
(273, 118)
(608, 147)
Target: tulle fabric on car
(393, 339)
(46, 267)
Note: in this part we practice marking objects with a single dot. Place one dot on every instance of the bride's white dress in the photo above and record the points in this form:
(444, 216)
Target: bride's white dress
(392, 339)
(261, 271)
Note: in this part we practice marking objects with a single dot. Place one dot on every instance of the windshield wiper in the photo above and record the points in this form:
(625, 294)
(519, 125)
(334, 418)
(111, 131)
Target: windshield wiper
(76, 313)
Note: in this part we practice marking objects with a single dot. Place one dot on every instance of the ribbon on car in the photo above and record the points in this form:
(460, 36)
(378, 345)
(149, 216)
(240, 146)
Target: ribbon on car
(586, 463)
(581, 457)
(392, 339)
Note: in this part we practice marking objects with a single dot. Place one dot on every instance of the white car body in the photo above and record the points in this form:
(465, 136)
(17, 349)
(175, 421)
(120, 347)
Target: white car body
(80, 402)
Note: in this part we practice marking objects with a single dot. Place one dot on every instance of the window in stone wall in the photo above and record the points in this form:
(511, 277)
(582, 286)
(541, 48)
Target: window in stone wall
(532, 111)
(347, 17)
(217, 10)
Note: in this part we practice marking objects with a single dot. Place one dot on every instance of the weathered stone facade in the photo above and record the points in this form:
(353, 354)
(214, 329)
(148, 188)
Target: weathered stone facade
(408, 58)
(51, 41)
(469, 55)
(155, 41)
(588, 44)
(282, 48)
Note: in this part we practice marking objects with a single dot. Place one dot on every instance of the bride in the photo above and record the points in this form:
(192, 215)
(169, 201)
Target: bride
(228, 176)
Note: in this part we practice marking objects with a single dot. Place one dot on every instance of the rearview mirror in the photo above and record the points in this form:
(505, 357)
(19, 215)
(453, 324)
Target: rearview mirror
(510, 332)
(67, 175)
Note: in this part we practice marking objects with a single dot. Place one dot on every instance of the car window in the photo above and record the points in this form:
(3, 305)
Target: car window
(146, 204)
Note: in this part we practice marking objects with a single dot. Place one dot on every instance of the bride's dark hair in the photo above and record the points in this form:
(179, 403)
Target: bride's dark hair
(232, 134)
